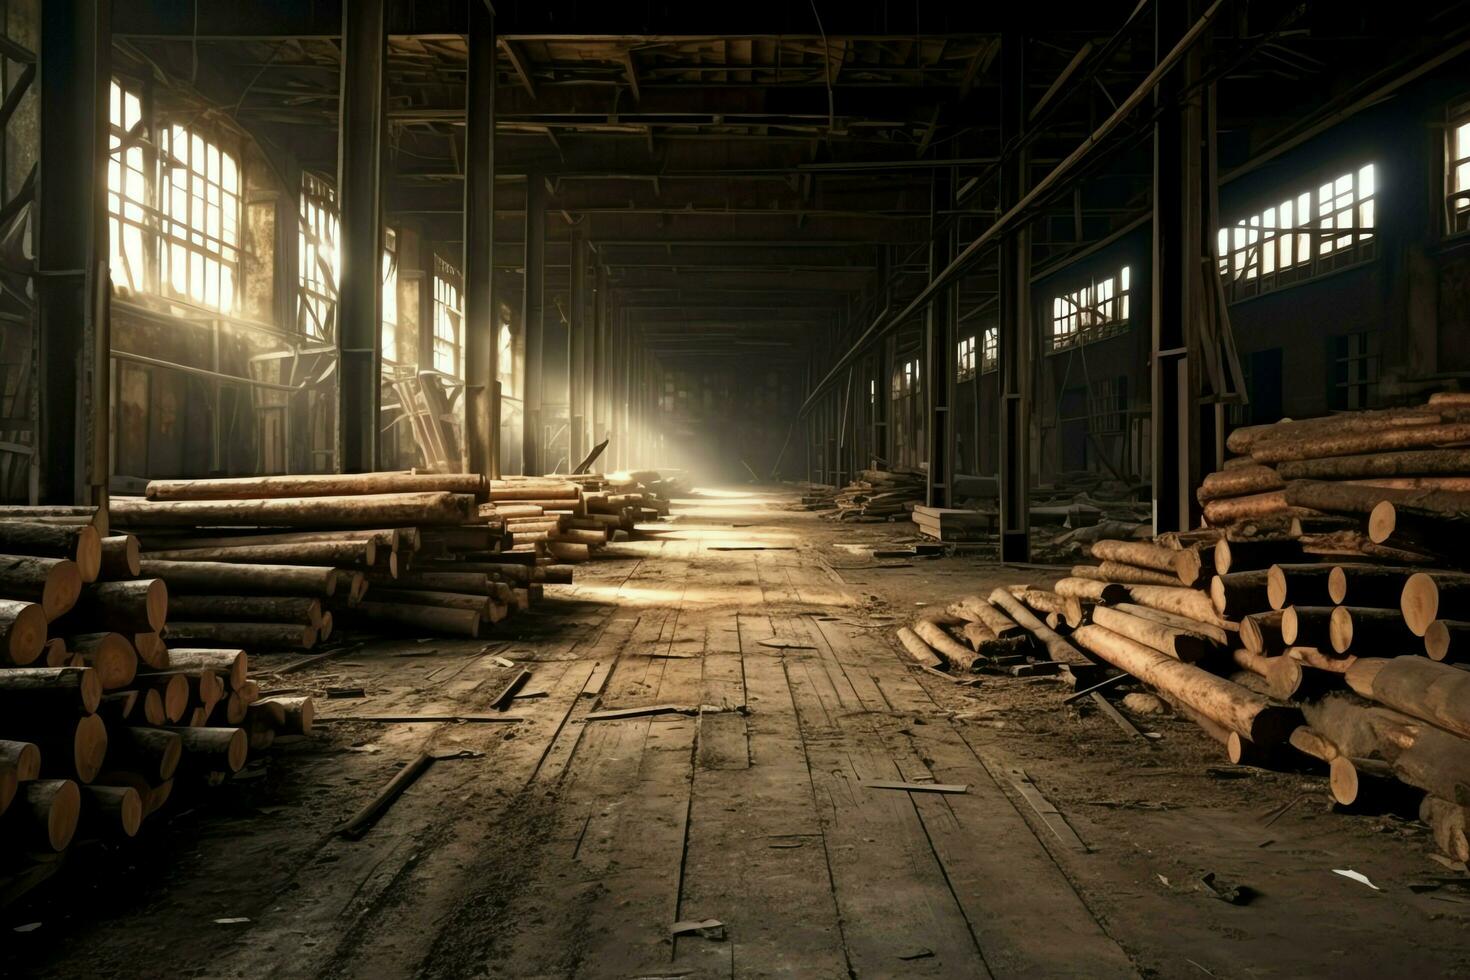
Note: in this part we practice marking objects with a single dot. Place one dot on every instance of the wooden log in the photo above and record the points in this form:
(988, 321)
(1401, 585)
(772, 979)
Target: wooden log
(1356, 544)
(1455, 484)
(1057, 648)
(366, 510)
(508, 491)
(1364, 784)
(443, 600)
(557, 574)
(982, 611)
(214, 747)
(1442, 400)
(158, 748)
(223, 578)
(1239, 481)
(1245, 438)
(72, 747)
(1447, 824)
(1428, 521)
(1437, 693)
(1245, 556)
(1194, 565)
(1373, 586)
(232, 665)
(1346, 442)
(248, 609)
(1069, 608)
(1189, 603)
(350, 586)
(55, 654)
(1425, 594)
(120, 557)
(1337, 498)
(316, 485)
(22, 632)
(1320, 659)
(52, 808)
(467, 583)
(1308, 741)
(26, 687)
(1307, 626)
(1421, 755)
(53, 582)
(1361, 631)
(447, 622)
(1448, 641)
(1112, 571)
(255, 636)
(1253, 507)
(1260, 633)
(152, 651)
(1177, 643)
(358, 554)
(1209, 631)
(1283, 676)
(958, 656)
(23, 758)
(133, 606)
(117, 807)
(110, 655)
(1232, 707)
(1236, 594)
(80, 544)
(568, 550)
(297, 714)
(8, 786)
(1141, 553)
(1298, 585)
(1091, 590)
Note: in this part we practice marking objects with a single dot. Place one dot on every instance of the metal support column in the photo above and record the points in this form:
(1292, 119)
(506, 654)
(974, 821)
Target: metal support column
(577, 352)
(597, 395)
(939, 346)
(1016, 332)
(360, 186)
(532, 307)
(482, 347)
(1179, 248)
(74, 342)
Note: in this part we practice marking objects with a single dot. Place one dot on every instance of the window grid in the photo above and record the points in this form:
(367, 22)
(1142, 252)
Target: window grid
(1276, 248)
(990, 355)
(1457, 172)
(966, 358)
(129, 215)
(318, 258)
(199, 239)
(448, 318)
(1095, 311)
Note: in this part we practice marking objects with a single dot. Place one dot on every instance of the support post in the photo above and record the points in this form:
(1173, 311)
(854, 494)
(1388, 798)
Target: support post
(1178, 438)
(939, 347)
(577, 352)
(360, 185)
(1016, 332)
(597, 395)
(482, 348)
(74, 342)
(532, 305)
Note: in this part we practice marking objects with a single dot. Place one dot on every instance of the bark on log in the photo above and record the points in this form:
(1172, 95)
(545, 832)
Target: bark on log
(448, 622)
(113, 808)
(1426, 594)
(1448, 641)
(1239, 481)
(1452, 484)
(79, 544)
(982, 611)
(507, 491)
(1189, 603)
(1374, 586)
(1307, 626)
(223, 578)
(159, 750)
(232, 665)
(1069, 608)
(248, 609)
(1112, 571)
(1432, 521)
(1368, 631)
(1177, 643)
(443, 600)
(282, 636)
(1308, 741)
(316, 485)
(134, 606)
(22, 632)
(28, 687)
(298, 714)
(1092, 590)
(470, 583)
(1140, 553)
(568, 551)
(1283, 676)
(1261, 633)
(1421, 755)
(1209, 631)
(1253, 507)
(959, 657)
(1194, 565)
(1435, 692)
(1237, 594)
(214, 747)
(1447, 824)
(52, 808)
(1348, 443)
(1321, 660)
(338, 554)
(1229, 705)
(1057, 648)
(367, 510)
(1338, 498)
(1357, 544)
(1298, 585)
(72, 746)
(1245, 556)
(120, 557)
(53, 582)
(23, 758)
(1245, 438)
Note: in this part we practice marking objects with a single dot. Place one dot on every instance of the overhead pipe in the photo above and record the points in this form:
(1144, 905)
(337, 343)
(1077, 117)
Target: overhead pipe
(972, 251)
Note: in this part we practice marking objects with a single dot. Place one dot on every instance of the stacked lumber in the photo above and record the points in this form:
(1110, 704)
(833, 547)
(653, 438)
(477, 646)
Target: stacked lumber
(879, 495)
(277, 563)
(954, 525)
(100, 718)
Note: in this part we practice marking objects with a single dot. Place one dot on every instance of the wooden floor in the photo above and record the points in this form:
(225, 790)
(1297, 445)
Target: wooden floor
(570, 846)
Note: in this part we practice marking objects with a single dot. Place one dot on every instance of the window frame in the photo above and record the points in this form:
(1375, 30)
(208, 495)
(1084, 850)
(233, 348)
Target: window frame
(139, 214)
(1096, 310)
(965, 358)
(448, 325)
(1456, 166)
(318, 256)
(213, 254)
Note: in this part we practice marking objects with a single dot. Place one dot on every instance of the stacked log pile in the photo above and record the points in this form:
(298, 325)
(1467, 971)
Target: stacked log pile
(878, 496)
(99, 716)
(1318, 621)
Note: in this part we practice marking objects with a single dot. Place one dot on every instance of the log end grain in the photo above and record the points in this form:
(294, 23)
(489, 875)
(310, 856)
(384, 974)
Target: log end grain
(23, 757)
(1420, 602)
(56, 805)
(1276, 587)
(88, 555)
(1340, 629)
(1446, 640)
(1337, 585)
(89, 748)
(1363, 673)
(1290, 625)
(25, 631)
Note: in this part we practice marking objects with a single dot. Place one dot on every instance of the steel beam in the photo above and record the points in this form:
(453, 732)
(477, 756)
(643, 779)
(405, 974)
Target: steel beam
(482, 347)
(939, 348)
(1016, 331)
(360, 187)
(533, 315)
(73, 290)
(577, 354)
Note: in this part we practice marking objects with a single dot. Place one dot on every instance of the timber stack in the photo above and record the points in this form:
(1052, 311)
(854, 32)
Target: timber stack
(879, 495)
(1320, 621)
(100, 717)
